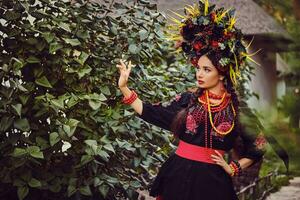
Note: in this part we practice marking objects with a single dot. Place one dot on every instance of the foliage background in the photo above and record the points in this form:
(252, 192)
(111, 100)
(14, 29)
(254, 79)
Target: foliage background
(63, 129)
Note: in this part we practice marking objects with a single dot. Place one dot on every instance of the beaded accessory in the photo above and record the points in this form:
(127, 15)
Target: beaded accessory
(223, 119)
(129, 100)
(235, 167)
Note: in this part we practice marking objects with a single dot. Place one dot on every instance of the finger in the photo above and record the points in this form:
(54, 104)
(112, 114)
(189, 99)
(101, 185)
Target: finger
(218, 153)
(120, 67)
(215, 156)
(129, 66)
(123, 64)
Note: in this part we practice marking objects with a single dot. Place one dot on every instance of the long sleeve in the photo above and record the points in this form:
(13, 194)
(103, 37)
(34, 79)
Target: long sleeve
(253, 139)
(162, 114)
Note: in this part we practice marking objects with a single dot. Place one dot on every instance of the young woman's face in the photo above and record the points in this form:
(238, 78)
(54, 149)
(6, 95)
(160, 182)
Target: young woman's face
(207, 74)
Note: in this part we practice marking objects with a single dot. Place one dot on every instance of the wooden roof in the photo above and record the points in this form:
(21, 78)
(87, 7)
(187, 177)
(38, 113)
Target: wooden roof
(251, 18)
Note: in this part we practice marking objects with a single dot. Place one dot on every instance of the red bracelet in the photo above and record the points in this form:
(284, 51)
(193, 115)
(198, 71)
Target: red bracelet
(235, 167)
(129, 100)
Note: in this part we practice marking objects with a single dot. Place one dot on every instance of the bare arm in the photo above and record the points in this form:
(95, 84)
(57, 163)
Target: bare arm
(124, 69)
(137, 105)
(245, 162)
(218, 158)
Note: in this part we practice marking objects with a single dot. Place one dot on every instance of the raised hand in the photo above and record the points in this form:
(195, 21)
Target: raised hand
(124, 73)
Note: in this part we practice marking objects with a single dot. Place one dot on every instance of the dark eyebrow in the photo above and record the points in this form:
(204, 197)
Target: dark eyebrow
(207, 67)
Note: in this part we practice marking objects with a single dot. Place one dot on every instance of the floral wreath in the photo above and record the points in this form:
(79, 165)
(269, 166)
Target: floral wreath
(206, 30)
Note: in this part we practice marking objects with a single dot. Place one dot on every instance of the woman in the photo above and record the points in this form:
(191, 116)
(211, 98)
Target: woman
(205, 121)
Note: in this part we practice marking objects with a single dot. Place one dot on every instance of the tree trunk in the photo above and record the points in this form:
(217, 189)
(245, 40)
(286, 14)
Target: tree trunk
(296, 5)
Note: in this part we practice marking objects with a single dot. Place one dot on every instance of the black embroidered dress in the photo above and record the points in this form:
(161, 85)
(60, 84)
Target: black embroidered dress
(183, 179)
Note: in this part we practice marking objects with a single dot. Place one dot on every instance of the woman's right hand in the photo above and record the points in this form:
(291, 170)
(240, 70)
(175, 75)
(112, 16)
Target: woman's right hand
(124, 73)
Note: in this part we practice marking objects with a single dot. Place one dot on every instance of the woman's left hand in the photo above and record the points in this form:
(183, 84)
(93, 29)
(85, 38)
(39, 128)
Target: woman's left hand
(218, 158)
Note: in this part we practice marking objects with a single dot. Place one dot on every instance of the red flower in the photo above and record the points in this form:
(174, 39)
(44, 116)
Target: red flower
(194, 61)
(224, 126)
(198, 45)
(191, 123)
(227, 35)
(215, 44)
(260, 142)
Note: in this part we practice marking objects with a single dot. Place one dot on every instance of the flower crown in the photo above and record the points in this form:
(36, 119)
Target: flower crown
(206, 30)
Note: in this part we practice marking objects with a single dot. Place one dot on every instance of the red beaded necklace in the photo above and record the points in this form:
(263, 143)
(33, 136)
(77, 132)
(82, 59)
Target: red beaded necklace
(225, 100)
(215, 96)
(204, 99)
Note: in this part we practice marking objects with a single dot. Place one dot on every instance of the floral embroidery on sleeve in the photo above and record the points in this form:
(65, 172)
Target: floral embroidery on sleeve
(260, 142)
(177, 97)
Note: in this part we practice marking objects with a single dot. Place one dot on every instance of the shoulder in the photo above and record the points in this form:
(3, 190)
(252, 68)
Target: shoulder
(184, 98)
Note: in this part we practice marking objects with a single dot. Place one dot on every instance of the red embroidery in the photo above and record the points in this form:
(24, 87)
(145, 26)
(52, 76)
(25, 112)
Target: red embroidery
(159, 198)
(224, 126)
(177, 97)
(191, 123)
(260, 142)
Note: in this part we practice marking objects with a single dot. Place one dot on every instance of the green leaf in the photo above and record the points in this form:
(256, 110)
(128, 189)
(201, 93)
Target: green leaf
(109, 147)
(33, 59)
(71, 190)
(22, 124)
(105, 90)
(11, 15)
(24, 98)
(85, 159)
(18, 64)
(43, 81)
(103, 155)
(22, 192)
(134, 49)
(82, 58)
(143, 34)
(114, 30)
(54, 47)
(84, 34)
(41, 142)
(90, 142)
(94, 104)
(5, 123)
(18, 108)
(35, 152)
(19, 183)
(135, 184)
(59, 103)
(19, 152)
(104, 189)
(34, 183)
(83, 71)
(64, 26)
(73, 122)
(54, 138)
(85, 190)
(48, 36)
(73, 42)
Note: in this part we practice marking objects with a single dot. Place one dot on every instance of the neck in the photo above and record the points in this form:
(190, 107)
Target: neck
(217, 89)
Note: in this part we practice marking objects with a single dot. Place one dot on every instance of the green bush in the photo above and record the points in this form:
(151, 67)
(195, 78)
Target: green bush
(63, 130)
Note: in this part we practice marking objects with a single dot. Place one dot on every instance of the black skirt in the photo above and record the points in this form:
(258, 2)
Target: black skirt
(183, 179)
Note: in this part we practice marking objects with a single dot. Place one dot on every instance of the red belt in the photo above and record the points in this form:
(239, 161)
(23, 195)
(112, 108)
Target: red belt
(197, 153)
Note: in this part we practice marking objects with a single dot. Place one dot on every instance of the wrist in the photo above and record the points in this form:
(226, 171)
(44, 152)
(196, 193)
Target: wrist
(123, 87)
